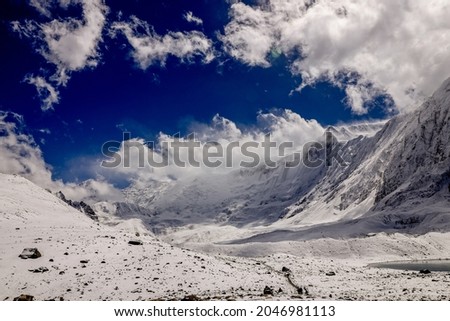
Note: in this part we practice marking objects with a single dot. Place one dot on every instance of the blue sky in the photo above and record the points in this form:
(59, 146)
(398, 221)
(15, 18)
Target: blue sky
(110, 90)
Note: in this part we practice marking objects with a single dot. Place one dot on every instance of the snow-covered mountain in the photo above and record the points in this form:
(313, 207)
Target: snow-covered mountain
(397, 174)
(324, 224)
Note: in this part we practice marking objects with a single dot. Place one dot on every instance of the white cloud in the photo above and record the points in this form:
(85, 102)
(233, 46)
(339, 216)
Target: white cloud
(150, 48)
(48, 94)
(283, 125)
(189, 17)
(397, 47)
(20, 155)
(43, 6)
(69, 45)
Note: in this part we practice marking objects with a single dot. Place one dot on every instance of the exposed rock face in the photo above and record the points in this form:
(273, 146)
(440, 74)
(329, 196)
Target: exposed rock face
(30, 253)
(81, 206)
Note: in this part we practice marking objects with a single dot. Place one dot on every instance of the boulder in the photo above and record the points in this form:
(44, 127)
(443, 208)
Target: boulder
(30, 253)
(135, 242)
(285, 270)
(268, 290)
(41, 269)
(24, 297)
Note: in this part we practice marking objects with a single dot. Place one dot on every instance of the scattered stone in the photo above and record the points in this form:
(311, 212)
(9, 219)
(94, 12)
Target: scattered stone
(330, 273)
(30, 253)
(191, 297)
(135, 242)
(425, 271)
(24, 297)
(41, 269)
(268, 290)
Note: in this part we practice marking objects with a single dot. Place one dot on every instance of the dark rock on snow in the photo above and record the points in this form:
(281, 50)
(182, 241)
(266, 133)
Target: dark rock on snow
(30, 253)
(24, 297)
(41, 269)
(268, 290)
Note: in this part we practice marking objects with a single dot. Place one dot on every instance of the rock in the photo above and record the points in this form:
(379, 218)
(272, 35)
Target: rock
(268, 290)
(24, 297)
(30, 253)
(425, 271)
(191, 297)
(285, 270)
(41, 269)
(84, 261)
(330, 273)
(135, 242)
(81, 206)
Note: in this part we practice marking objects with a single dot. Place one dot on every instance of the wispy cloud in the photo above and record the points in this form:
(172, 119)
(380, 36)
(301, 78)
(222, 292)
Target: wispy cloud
(48, 94)
(368, 48)
(150, 48)
(189, 17)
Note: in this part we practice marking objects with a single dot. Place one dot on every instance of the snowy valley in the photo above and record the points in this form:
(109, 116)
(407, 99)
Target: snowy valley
(263, 233)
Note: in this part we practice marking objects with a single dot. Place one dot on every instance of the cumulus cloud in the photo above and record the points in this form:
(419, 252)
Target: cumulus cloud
(151, 48)
(283, 126)
(68, 45)
(189, 17)
(398, 48)
(20, 155)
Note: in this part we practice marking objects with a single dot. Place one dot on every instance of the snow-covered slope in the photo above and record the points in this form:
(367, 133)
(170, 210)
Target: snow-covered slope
(84, 260)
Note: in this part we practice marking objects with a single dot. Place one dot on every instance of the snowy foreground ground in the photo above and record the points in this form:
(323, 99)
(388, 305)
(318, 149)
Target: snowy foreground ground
(87, 260)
